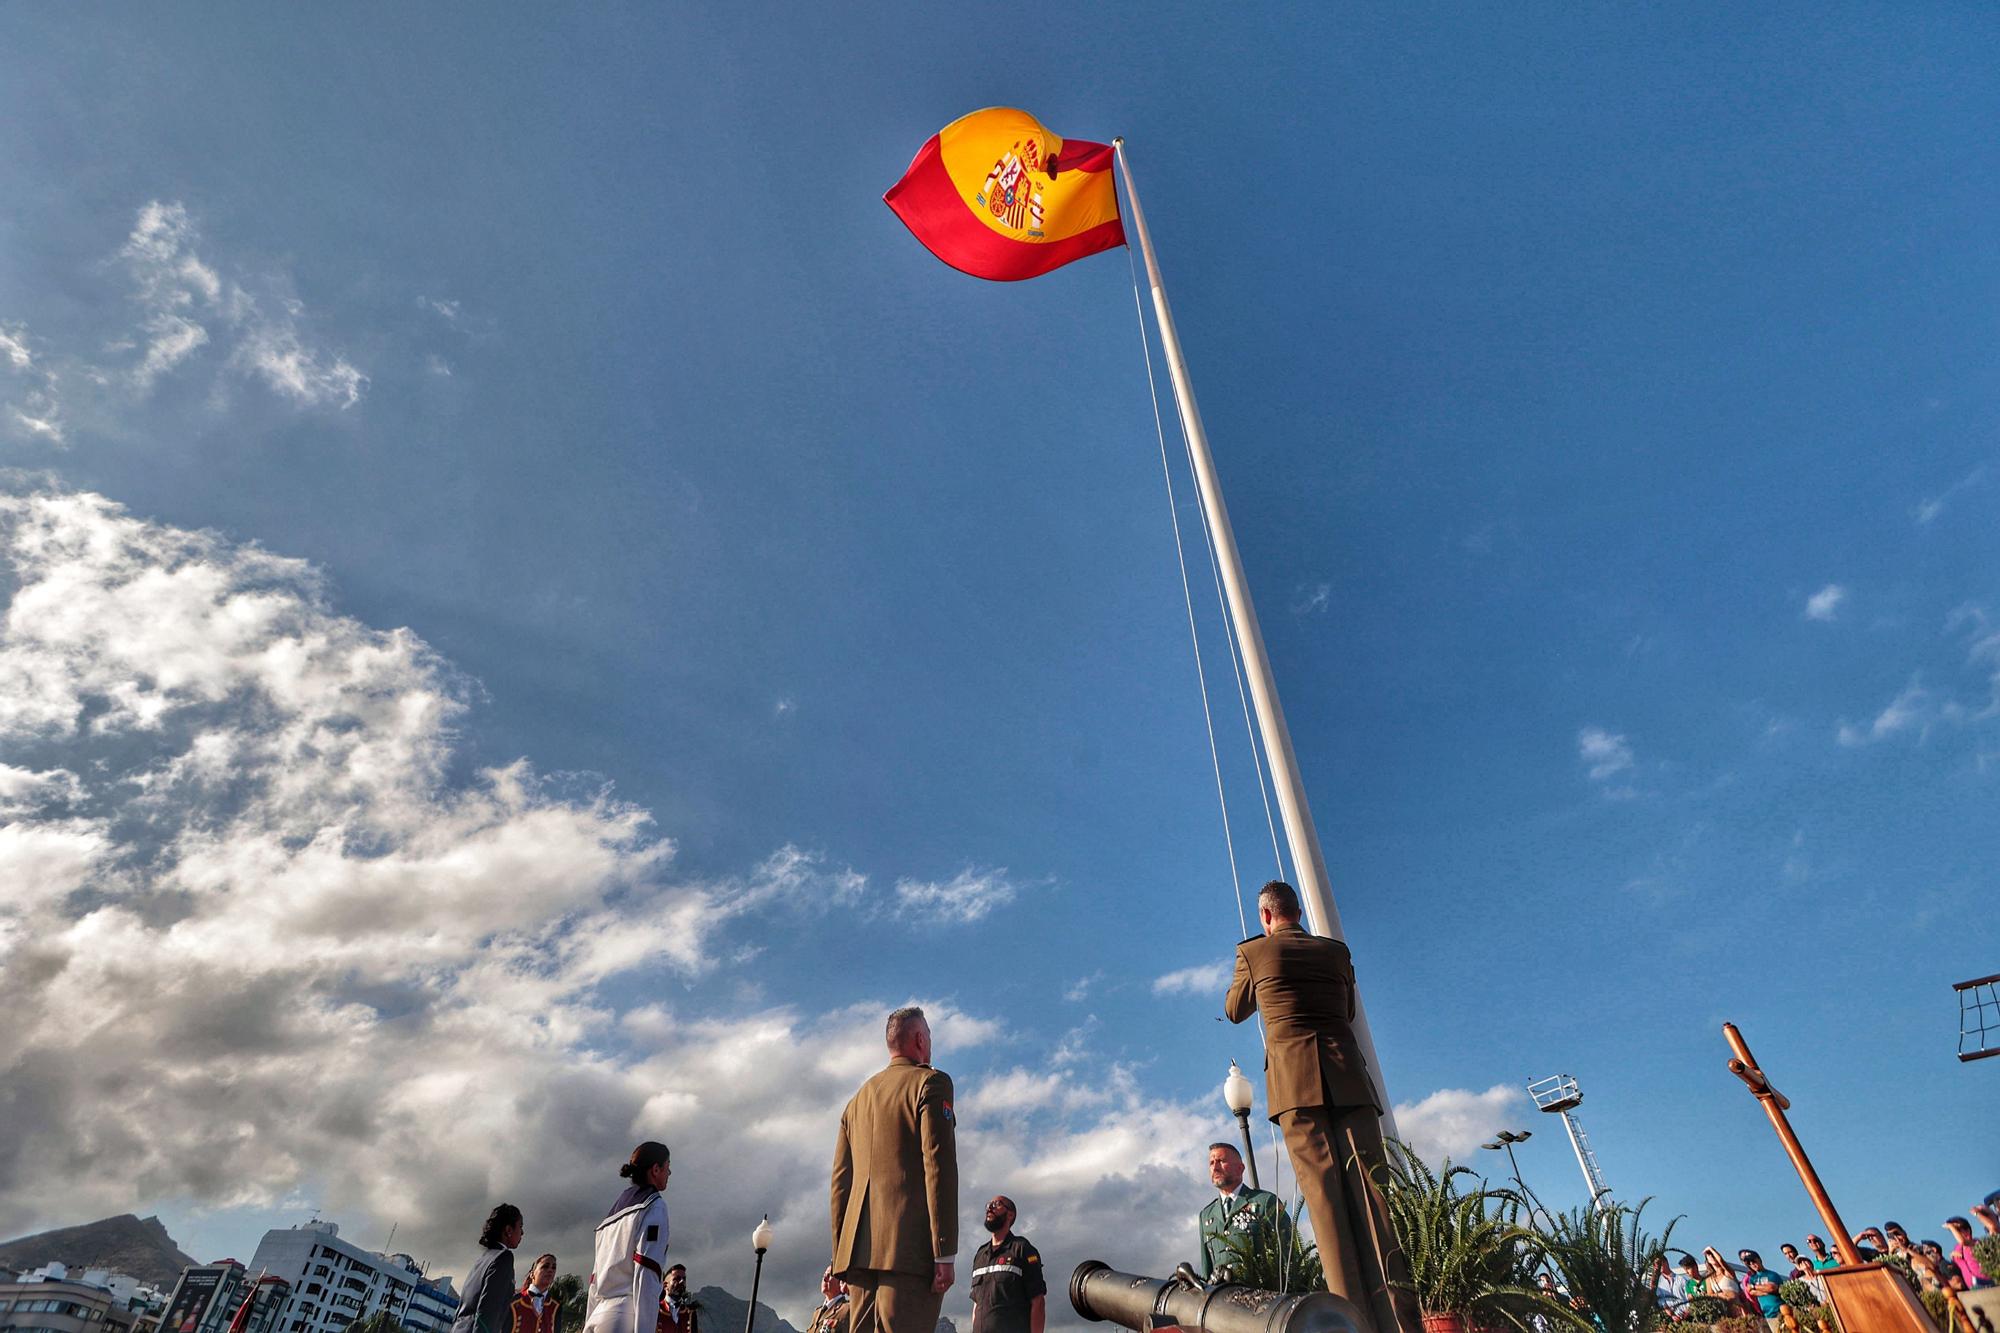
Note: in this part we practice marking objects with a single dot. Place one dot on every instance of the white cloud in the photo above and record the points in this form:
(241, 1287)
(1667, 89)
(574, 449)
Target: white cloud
(172, 339)
(1311, 599)
(186, 305)
(1825, 604)
(14, 347)
(1202, 979)
(1922, 710)
(172, 283)
(38, 413)
(48, 426)
(182, 296)
(966, 896)
(308, 377)
(1605, 753)
(23, 790)
(1928, 510)
(1453, 1122)
(1907, 711)
(1079, 990)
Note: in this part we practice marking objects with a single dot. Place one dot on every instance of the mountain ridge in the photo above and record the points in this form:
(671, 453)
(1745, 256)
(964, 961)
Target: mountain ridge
(136, 1246)
(723, 1312)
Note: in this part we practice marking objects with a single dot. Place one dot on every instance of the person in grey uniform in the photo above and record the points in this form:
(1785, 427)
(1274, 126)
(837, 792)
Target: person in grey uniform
(488, 1303)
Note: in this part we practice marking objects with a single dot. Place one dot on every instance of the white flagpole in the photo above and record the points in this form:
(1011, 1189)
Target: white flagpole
(1308, 865)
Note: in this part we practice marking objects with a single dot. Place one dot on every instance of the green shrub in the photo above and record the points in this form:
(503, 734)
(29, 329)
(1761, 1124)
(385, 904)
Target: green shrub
(1939, 1307)
(1798, 1294)
(1706, 1309)
(1987, 1251)
(1900, 1265)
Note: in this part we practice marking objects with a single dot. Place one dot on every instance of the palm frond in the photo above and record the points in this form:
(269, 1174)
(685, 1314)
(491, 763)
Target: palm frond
(1466, 1250)
(1607, 1262)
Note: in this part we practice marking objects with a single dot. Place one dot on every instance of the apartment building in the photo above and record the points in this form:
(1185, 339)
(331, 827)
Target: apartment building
(334, 1282)
(61, 1305)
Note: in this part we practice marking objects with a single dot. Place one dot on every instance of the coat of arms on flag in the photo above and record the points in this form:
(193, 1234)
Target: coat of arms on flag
(997, 195)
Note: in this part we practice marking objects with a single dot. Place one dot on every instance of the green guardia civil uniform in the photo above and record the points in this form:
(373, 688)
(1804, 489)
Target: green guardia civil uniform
(1235, 1215)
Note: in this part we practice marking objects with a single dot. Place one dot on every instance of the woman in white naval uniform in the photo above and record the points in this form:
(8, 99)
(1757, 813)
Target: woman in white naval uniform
(626, 1276)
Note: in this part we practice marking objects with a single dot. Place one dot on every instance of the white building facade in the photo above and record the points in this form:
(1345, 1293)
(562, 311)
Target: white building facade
(433, 1305)
(335, 1282)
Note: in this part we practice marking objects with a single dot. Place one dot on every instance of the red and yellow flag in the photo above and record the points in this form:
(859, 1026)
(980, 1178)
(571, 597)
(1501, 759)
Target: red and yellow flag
(996, 195)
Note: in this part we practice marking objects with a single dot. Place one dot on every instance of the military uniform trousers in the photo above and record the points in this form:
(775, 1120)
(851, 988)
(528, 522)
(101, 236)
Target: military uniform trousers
(1342, 1203)
(879, 1302)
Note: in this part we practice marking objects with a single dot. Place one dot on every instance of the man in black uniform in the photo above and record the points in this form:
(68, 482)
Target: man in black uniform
(1009, 1293)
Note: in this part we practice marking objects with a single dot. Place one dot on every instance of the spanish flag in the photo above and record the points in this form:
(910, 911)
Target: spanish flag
(996, 195)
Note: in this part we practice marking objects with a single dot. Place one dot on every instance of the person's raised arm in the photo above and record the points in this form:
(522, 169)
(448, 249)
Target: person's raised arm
(1241, 1002)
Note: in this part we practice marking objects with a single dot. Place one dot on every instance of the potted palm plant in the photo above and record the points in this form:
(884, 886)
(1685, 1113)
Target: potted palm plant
(1469, 1259)
(1606, 1261)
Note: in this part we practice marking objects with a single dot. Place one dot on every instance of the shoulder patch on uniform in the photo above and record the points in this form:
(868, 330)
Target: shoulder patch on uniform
(1034, 1258)
(949, 1117)
(652, 1234)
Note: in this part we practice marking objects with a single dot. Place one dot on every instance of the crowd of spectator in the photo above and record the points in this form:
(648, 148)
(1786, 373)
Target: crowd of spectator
(1750, 1286)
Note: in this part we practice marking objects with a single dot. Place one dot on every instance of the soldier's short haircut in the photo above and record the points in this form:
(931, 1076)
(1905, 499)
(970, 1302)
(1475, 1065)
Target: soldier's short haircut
(1230, 1147)
(1281, 898)
(899, 1019)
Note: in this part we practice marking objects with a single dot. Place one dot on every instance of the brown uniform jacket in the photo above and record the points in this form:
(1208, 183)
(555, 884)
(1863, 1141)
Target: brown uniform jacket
(1305, 986)
(895, 1173)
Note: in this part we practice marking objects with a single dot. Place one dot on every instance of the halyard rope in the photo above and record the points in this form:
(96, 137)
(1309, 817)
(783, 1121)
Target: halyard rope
(1236, 673)
(1278, 1156)
(1187, 596)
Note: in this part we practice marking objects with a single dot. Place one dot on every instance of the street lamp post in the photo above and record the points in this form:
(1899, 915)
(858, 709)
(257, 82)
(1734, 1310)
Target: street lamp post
(1507, 1139)
(761, 1239)
(1236, 1091)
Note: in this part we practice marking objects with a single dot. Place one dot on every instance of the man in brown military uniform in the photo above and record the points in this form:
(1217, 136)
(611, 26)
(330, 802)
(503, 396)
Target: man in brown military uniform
(1318, 1089)
(895, 1188)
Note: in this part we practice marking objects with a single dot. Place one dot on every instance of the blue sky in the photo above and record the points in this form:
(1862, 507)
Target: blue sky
(1606, 404)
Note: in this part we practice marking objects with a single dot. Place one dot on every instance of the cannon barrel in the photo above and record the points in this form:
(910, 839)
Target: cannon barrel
(1100, 1293)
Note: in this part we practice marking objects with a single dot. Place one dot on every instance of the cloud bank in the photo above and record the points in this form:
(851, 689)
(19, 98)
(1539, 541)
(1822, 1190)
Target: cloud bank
(263, 937)
(1453, 1122)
